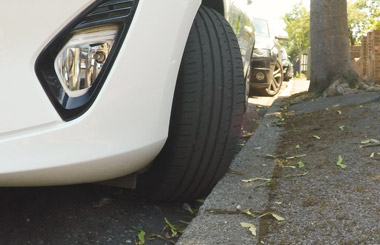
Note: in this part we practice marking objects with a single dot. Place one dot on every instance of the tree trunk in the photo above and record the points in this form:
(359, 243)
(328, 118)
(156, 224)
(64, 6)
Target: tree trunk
(329, 41)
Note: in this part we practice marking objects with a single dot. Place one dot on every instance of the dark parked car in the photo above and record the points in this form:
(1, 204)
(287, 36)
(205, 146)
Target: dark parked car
(287, 66)
(266, 63)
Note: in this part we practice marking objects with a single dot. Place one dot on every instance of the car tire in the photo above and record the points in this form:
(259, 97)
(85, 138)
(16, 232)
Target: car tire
(207, 112)
(276, 82)
(287, 75)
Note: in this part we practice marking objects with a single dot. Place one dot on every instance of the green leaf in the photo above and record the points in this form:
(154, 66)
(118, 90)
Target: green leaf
(248, 212)
(301, 164)
(173, 229)
(341, 127)
(276, 216)
(367, 141)
(340, 162)
(253, 231)
(140, 236)
(317, 137)
(246, 225)
(252, 228)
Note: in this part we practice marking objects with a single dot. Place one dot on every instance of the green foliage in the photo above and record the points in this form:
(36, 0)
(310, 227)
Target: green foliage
(297, 27)
(363, 17)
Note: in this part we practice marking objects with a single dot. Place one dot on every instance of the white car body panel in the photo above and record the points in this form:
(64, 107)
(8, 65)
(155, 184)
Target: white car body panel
(126, 126)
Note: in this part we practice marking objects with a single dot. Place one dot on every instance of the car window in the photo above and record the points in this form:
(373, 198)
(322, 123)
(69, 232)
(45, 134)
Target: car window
(261, 27)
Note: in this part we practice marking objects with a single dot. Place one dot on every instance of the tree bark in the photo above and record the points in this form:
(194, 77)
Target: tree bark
(329, 41)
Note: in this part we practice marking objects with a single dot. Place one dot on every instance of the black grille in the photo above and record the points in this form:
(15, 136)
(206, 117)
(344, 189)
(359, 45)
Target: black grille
(108, 12)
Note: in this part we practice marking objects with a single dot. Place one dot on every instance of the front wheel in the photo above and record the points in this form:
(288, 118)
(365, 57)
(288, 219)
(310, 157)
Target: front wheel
(276, 82)
(206, 118)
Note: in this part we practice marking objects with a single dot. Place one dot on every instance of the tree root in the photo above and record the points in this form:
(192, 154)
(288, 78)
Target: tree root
(341, 86)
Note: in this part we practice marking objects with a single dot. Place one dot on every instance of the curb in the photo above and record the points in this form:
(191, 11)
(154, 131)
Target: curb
(218, 220)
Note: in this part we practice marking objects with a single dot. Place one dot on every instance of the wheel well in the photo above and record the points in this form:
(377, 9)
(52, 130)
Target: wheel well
(218, 5)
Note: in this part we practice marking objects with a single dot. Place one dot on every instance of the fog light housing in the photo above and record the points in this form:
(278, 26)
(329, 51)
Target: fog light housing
(74, 65)
(260, 76)
(80, 61)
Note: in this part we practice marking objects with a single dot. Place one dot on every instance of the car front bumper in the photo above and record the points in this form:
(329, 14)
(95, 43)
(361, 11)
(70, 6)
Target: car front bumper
(265, 66)
(126, 126)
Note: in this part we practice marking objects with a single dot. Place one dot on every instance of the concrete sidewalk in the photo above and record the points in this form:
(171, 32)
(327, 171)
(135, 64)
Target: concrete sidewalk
(219, 218)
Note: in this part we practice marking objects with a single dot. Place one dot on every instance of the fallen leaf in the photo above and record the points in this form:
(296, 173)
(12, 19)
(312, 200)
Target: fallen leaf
(248, 212)
(174, 230)
(187, 207)
(339, 112)
(271, 156)
(297, 147)
(255, 179)
(231, 171)
(317, 137)
(140, 236)
(262, 184)
(296, 156)
(372, 155)
(154, 236)
(340, 162)
(296, 175)
(247, 225)
(252, 228)
(341, 127)
(276, 216)
(201, 201)
(367, 141)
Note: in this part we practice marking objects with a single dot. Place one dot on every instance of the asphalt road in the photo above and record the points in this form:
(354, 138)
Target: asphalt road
(89, 214)
(83, 214)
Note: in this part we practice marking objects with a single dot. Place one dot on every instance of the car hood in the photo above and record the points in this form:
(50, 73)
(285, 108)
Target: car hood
(263, 42)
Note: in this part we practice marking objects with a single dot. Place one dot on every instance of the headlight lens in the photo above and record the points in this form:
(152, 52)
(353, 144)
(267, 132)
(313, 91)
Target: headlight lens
(258, 53)
(80, 61)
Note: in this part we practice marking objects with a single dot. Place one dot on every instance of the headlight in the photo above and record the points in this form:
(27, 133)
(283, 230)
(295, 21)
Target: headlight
(74, 66)
(258, 53)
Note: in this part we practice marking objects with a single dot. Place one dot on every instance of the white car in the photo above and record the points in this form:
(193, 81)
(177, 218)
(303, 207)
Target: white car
(122, 90)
